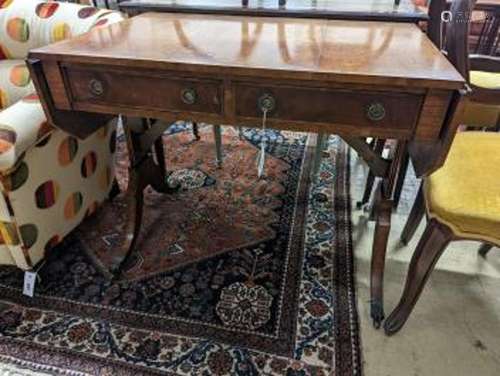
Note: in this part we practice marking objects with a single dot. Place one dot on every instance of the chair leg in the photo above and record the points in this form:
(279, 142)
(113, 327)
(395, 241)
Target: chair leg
(415, 217)
(218, 145)
(318, 151)
(429, 249)
(484, 249)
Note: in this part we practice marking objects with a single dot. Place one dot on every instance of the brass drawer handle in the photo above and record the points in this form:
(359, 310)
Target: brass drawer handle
(189, 96)
(375, 111)
(266, 102)
(96, 87)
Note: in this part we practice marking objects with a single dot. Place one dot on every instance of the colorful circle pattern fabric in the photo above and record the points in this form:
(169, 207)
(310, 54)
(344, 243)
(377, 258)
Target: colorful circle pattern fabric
(18, 29)
(4, 100)
(87, 12)
(60, 31)
(5, 3)
(20, 75)
(4, 53)
(89, 164)
(101, 22)
(39, 24)
(46, 194)
(17, 178)
(67, 151)
(73, 205)
(8, 138)
(46, 10)
(29, 234)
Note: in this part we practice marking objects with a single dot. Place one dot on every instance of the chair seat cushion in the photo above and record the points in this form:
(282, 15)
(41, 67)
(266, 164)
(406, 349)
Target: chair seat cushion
(465, 192)
(15, 82)
(487, 80)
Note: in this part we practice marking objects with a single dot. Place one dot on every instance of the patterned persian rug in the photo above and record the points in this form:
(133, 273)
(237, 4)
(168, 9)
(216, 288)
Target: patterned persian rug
(232, 275)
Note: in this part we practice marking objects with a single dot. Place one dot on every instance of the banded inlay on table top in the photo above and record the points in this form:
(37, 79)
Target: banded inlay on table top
(302, 49)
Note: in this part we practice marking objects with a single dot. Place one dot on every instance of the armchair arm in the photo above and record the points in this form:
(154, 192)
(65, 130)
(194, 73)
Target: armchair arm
(31, 24)
(484, 63)
(22, 125)
(483, 94)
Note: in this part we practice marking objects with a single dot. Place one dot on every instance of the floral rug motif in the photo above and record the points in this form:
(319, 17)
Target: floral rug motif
(233, 275)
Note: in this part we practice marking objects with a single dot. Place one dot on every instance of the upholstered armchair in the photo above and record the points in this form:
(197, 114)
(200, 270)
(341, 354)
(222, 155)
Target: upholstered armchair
(49, 180)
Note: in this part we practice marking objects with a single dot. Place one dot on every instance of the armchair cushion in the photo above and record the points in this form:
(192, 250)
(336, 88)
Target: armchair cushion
(465, 192)
(15, 82)
(27, 24)
(22, 125)
(487, 80)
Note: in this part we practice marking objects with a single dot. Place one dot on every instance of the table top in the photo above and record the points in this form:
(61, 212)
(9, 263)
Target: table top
(375, 53)
(383, 10)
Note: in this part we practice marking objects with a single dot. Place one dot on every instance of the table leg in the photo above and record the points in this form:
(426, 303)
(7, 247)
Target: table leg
(218, 144)
(383, 209)
(196, 132)
(143, 171)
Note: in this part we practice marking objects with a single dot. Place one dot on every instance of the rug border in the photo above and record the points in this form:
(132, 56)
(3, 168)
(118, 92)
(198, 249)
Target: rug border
(348, 346)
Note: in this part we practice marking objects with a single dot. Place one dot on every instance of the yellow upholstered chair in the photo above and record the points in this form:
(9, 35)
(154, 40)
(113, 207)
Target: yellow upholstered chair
(462, 201)
(49, 180)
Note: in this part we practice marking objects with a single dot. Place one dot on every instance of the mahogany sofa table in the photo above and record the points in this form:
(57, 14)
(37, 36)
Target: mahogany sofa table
(354, 79)
(362, 10)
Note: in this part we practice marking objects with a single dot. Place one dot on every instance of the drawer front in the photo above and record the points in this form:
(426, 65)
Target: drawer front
(357, 108)
(143, 91)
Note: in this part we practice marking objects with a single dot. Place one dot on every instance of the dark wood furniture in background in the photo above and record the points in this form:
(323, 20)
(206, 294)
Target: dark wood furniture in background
(488, 40)
(387, 80)
(366, 10)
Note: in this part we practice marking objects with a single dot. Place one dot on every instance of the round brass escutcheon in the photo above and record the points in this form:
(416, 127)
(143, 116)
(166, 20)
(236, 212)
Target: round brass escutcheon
(96, 87)
(266, 102)
(375, 111)
(189, 96)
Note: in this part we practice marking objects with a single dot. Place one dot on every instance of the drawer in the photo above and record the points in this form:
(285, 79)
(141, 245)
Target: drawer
(143, 91)
(367, 109)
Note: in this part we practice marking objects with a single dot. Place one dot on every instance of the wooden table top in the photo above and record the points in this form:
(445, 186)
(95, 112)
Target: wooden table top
(405, 11)
(375, 53)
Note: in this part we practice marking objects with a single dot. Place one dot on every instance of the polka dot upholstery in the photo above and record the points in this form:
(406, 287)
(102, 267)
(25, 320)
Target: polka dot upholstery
(15, 82)
(27, 24)
(49, 180)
